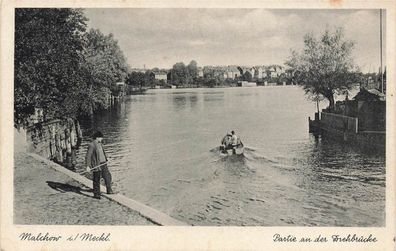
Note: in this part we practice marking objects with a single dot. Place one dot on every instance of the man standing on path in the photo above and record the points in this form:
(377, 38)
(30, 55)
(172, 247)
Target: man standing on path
(96, 161)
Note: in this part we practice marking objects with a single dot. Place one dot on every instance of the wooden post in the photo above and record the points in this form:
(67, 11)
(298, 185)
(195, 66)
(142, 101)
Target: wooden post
(68, 149)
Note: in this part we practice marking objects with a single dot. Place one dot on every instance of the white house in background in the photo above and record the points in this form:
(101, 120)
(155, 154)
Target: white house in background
(272, 74)
(275, 71)
(231, 72)
(259, 72)
(161, 76)
(200, 72)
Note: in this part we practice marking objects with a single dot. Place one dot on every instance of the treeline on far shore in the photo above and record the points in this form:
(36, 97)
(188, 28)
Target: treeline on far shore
(61, 67)
(190, 75)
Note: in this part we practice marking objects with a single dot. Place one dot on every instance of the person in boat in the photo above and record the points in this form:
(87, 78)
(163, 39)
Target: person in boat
(226, 142)
(235, 142)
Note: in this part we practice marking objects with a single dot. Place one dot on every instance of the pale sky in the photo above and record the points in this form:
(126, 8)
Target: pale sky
(162, 37)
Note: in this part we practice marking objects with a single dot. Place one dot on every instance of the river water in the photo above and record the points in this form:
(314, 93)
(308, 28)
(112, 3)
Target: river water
(163, 152)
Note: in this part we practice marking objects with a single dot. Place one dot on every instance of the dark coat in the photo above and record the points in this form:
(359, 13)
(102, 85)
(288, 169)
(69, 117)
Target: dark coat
(92, 157)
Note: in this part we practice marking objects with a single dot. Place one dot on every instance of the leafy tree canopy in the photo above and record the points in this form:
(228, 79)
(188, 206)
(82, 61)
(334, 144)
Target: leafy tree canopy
(48, 53)
(179, 74)
(247, 76)
(325, 66)
(60, 67)
(136, 79)
(192, 69)
(105, 65)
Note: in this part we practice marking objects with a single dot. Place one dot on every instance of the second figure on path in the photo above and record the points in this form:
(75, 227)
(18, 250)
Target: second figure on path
(96, 161)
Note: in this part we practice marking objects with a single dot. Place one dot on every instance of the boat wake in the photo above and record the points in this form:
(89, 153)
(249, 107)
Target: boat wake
(251, 157)
(249, 154)
(252, 153)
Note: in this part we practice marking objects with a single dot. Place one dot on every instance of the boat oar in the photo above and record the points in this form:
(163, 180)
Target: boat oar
(93, 168)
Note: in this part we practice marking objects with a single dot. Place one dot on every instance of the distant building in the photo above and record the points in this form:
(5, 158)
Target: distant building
(360, 121)
(371, 81)
(200, 72)
(259, 72)
(275, 71)
(161, 75)
(289, 73)
(244, 69)
(214, 71)
(231, 72)
(271, 73)
(369, 95)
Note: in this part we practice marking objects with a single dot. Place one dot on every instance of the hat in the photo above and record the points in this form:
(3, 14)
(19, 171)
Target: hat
(97, 134)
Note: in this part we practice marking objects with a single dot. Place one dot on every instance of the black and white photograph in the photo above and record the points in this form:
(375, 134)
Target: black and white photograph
(200, 117)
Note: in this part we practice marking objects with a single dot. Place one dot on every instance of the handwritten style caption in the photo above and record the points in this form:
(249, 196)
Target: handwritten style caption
(47, 237)
(335, 238)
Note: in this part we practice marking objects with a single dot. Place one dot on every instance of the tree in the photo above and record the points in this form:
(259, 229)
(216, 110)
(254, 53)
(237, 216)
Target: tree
(149, 78)
(136, 79)
(282, 78)
(211, 82)
(325, 66)
(47, 62)
(247, 76)
(316, 97)
(61, 68)
(105, 65)
(179, 74)
(192, 70)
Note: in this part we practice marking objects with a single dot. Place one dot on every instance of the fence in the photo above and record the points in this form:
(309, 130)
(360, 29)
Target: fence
(339, 122)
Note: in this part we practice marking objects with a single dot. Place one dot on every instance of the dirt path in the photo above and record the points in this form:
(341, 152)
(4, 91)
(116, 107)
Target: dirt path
(45, 196)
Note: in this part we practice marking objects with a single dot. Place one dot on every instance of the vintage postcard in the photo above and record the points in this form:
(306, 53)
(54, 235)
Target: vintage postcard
(197, 125)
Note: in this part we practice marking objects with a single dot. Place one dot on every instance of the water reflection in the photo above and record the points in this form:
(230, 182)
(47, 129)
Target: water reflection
(179, 101)
(193, 100)
(159, 146)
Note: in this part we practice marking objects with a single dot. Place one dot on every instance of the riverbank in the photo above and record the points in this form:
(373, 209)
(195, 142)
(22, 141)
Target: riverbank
(45, 196)
(220, 86)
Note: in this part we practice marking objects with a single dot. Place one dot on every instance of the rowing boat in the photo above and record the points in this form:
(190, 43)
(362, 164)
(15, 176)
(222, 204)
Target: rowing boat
(238, 150)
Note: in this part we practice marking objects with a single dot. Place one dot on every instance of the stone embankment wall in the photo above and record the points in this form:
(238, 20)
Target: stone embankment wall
(56, 140)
